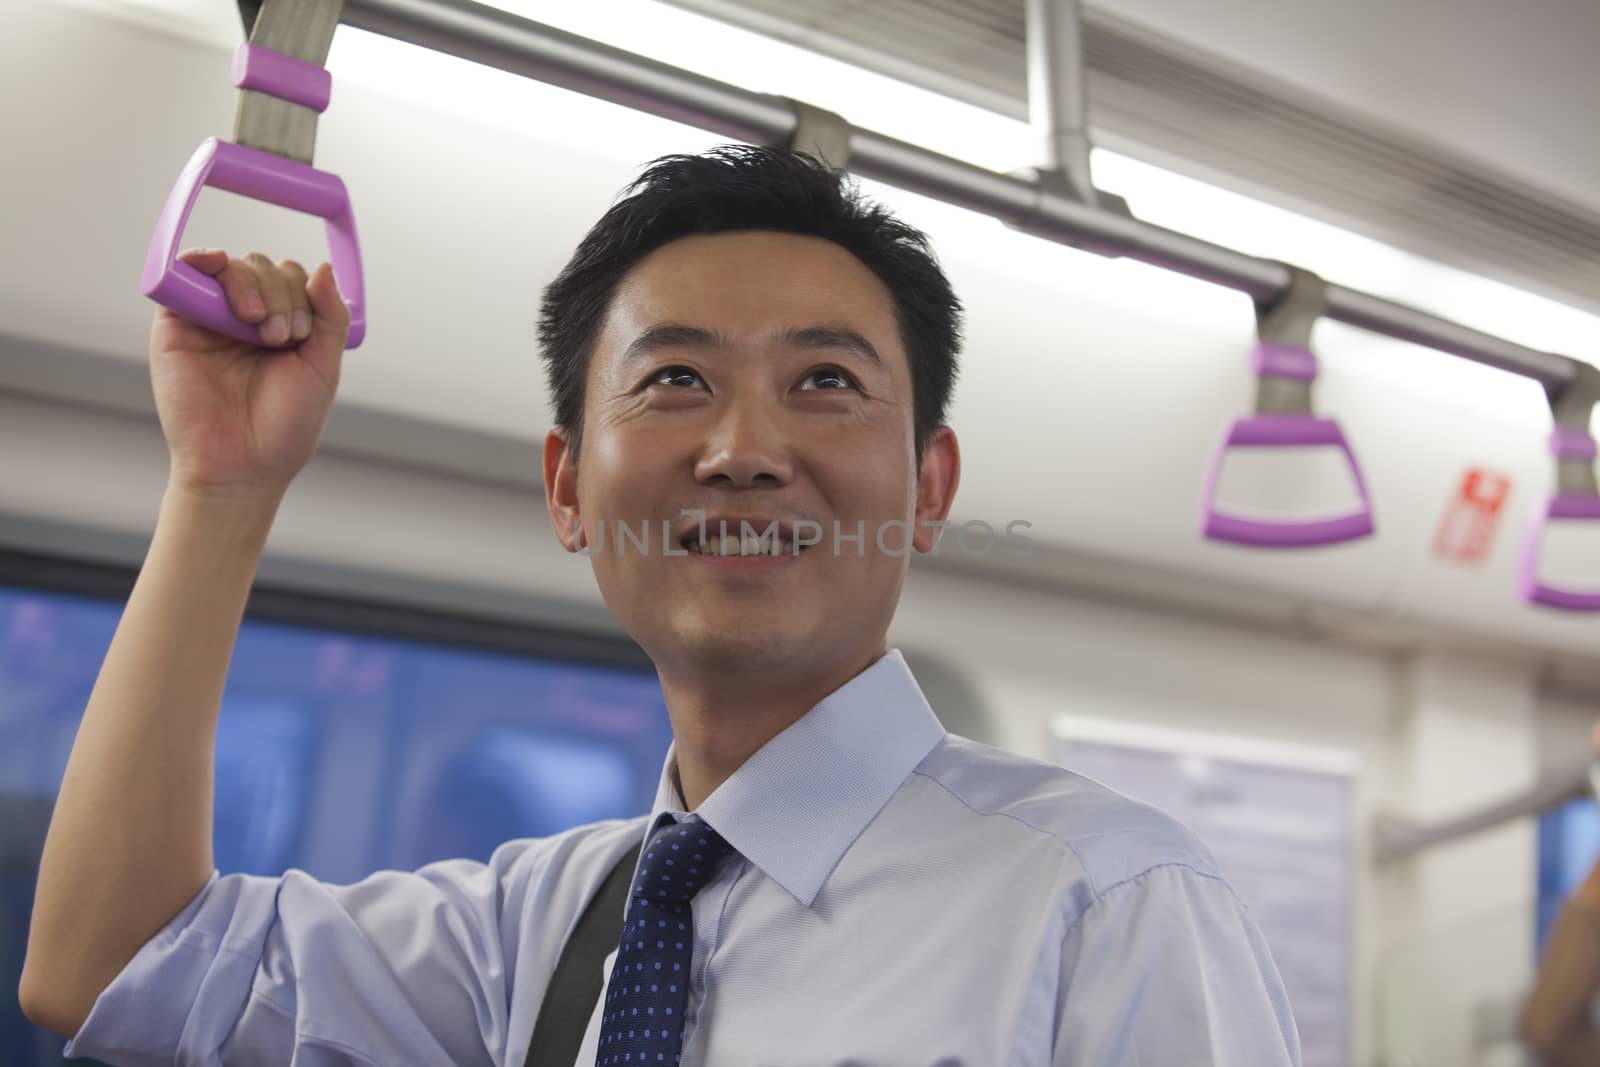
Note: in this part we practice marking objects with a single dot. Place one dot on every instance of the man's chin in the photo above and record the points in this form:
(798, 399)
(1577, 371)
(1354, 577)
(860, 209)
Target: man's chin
(746, 643)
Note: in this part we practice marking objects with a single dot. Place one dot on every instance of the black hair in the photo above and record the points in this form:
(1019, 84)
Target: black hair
(743, 187)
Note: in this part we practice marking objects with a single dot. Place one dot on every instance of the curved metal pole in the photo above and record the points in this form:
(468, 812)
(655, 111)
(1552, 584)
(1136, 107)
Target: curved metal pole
(521, 46)
(1395, 838)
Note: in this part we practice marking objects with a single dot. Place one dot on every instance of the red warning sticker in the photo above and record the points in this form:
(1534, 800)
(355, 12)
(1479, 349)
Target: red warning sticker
(1466, 534)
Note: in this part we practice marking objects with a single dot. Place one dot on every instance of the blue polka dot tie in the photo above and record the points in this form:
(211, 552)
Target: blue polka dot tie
(642, 1022)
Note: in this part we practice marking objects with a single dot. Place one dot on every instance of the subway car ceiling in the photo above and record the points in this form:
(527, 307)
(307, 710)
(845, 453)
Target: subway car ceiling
(1118, 379)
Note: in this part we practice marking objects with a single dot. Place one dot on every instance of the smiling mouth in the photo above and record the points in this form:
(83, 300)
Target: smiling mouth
(747, 545)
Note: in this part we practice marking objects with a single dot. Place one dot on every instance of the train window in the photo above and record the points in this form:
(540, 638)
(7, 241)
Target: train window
(1569, 845)
(338, 752)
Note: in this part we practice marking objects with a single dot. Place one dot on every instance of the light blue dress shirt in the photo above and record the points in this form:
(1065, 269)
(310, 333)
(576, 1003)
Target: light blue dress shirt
(901, 896)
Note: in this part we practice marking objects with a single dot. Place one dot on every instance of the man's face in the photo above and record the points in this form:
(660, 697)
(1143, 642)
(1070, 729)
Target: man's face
(750, 376)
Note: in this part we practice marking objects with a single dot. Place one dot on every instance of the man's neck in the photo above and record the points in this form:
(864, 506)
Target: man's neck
(719, 722)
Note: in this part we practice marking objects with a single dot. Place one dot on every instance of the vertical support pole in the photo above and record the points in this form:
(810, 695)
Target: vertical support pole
(1058, 98)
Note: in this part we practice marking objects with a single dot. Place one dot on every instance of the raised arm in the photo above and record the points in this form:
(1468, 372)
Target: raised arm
(130, 839)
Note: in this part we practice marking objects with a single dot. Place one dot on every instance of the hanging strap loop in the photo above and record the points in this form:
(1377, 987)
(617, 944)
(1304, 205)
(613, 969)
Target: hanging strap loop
(302, 32)
(283, 87)
(1285, 368)
(1282, 359)
(1571, 442)
(1577, 492)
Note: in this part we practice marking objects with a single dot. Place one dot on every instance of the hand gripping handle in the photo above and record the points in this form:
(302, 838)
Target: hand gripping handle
(1565, 445)
(1281, 431)
(260, 176)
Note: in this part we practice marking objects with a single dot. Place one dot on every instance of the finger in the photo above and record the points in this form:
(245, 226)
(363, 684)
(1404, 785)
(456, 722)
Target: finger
(237, 278)
(279, 301)
(208, 261)
(242, 289)
(299, 300)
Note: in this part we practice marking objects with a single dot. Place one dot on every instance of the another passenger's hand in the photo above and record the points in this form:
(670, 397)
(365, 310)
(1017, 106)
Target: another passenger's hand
(1555, 1019)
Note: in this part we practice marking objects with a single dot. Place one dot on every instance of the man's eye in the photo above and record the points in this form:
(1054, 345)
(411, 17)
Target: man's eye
(831, 374)
(673, 372)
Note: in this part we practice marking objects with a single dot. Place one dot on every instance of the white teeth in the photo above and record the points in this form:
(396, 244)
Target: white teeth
(748, 545)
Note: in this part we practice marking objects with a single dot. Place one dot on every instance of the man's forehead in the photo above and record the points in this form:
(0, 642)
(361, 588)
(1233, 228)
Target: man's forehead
(718, 268)
(743, 288)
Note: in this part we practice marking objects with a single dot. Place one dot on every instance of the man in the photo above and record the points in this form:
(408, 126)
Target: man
(828, 877)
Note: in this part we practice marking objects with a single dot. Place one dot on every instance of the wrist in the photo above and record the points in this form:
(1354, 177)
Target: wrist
(231, 513)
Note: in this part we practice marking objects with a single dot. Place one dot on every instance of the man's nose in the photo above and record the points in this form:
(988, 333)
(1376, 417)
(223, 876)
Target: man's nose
(747, 446)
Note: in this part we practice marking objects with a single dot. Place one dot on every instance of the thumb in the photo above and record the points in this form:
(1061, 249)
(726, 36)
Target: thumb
(331, 326)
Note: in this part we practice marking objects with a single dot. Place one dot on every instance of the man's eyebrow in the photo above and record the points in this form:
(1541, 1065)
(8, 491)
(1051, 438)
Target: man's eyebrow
(677, 335)
(832, 337)
(670, 335)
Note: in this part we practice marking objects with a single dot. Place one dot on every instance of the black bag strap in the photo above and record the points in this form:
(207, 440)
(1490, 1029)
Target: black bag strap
(575, 987)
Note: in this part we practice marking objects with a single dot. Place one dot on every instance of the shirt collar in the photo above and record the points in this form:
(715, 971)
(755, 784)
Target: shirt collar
(800, 800)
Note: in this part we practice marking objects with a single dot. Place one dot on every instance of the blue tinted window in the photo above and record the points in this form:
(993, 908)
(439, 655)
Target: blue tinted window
(338, 753)
(1569, 845)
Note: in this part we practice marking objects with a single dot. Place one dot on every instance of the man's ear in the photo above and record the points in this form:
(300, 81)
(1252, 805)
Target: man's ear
(561, 489)
(937, 479)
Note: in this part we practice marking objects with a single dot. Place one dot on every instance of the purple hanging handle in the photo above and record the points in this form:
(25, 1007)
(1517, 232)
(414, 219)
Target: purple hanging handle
(1565, 444)
(260, 176)
(264, 176)
(1284, 431)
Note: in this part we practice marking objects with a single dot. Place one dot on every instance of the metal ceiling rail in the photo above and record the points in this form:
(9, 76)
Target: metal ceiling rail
(1397, 838)
(508, 42)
